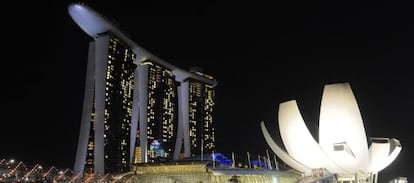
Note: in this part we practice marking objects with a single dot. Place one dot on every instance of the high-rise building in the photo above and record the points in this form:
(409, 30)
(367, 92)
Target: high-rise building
(162, 118)
(201, 104)
(137, 108)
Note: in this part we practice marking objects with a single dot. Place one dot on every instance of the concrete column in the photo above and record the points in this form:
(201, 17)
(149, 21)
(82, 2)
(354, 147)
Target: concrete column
(101, 52)
(183, 115)
(135, 116)
(86, 112)
(143, 110)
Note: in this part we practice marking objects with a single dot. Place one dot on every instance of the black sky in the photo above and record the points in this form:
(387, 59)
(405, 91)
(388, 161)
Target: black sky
(261, 54)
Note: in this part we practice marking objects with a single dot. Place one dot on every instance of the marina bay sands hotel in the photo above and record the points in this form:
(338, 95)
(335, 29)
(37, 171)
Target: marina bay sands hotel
(137, 108)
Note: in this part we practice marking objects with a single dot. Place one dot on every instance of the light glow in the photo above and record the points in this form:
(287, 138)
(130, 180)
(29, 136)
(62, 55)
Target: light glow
(298, 140)
(341, 121)
(283, 154)
(382, 154)
(342, 148)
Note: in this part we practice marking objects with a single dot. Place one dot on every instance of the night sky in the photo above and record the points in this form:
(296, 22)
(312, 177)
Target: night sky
(261, 55)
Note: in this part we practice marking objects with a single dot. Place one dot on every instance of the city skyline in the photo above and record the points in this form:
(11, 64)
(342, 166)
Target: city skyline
(261, 55)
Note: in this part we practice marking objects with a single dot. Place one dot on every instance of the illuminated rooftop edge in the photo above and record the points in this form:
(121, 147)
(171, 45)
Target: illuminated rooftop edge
(95, 24)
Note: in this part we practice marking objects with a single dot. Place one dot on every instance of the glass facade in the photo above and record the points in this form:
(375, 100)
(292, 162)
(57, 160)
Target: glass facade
(89, 165)
(119, 85)
(161, 112)
(201, 104)
(118, 105)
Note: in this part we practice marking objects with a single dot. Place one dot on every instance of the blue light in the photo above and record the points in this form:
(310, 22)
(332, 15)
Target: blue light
(260, 164)
(221, 159)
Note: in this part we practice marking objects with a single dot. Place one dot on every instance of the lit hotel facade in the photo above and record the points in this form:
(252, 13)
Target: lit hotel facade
(137, 108)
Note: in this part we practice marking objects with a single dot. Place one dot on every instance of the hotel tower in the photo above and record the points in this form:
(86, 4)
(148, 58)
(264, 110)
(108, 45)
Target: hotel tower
(137, 108)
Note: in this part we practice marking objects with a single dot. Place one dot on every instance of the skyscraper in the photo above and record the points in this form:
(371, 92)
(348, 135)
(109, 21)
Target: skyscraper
(161, 114)
(137, 108)
(200, 109)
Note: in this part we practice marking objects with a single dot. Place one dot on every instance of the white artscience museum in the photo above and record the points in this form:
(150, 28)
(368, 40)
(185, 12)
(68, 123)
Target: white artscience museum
(342, 149)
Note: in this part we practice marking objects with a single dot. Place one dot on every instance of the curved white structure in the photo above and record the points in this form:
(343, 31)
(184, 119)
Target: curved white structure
(342, 148)
(283, 154)
(95, 24)
(340, 122)
(383, 151)
(298, 139)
